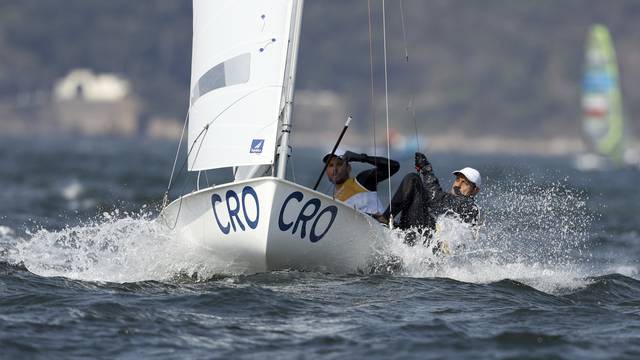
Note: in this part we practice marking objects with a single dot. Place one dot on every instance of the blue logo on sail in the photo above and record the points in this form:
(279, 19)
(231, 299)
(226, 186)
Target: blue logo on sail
(256, 146)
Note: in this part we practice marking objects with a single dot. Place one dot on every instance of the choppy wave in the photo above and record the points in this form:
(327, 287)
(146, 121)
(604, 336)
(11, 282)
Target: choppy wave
(304, 314)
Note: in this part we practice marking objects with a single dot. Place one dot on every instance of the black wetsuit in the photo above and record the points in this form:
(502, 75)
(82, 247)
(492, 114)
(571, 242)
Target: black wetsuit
(420, 200)
(370, 178)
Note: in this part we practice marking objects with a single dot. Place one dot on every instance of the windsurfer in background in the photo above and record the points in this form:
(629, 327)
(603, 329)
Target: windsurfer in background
(361, 191)
(420, 199)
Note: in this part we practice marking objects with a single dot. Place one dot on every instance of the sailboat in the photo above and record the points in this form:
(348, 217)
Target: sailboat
(240, 116)
(603, 116)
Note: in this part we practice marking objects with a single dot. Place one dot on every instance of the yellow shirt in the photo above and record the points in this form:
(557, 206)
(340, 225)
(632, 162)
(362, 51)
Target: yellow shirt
(359, 197)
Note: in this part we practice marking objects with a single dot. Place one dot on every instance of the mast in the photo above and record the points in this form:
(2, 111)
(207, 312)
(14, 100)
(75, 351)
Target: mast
(290, 79)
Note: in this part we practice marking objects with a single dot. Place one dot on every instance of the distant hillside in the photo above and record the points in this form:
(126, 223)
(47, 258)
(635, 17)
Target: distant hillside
(494, 66)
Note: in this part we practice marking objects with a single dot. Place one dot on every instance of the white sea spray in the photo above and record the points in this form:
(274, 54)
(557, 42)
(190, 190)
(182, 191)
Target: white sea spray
(115, 247)
(534, 233)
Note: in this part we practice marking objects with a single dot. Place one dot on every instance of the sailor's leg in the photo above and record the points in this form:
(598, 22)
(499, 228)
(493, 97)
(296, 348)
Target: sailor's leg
(406, 193)
(409, 201)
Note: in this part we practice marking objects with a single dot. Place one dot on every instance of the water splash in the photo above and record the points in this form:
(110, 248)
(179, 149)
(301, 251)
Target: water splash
(533, 233)
(115, 247)
(7, 236)
(6, 232)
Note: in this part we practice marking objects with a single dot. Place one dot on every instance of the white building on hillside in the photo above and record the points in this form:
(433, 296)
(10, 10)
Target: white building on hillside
(83, 84)
(92, 104)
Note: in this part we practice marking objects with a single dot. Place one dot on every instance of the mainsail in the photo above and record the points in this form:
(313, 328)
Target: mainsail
(603, 118)
(237, 79)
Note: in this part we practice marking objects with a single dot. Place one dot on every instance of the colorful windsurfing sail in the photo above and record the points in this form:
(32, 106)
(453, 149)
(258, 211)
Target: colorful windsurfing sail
(603, 117)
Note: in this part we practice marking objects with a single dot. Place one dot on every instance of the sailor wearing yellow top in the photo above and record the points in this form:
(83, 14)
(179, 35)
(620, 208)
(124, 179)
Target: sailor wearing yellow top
(361, 191)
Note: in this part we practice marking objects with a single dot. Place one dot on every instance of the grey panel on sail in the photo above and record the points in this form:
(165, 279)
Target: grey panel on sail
(230, 72)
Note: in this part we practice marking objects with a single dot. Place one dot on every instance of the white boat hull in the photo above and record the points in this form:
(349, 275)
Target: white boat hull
(268, 224)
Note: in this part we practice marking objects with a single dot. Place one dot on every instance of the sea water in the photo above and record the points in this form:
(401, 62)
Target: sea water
(86, 272)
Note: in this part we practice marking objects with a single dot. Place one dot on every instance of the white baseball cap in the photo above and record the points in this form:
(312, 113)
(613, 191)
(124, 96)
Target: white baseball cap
(471, 174)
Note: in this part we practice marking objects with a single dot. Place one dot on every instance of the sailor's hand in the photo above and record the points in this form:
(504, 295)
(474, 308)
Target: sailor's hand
(351, 156)
(421, 162)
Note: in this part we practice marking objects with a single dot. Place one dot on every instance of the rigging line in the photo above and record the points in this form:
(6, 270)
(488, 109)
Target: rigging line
(410, 107)
(175, 161)
(372, 97)
(206, 128)
(412, 111)
(175, 223)
(386, 104)
(404, 33)
(184, 185)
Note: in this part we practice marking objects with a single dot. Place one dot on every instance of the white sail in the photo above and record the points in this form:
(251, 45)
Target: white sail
(237, 78)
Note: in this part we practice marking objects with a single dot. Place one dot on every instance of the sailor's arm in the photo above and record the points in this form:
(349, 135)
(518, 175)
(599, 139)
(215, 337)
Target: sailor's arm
(429, 179)
(370, 178)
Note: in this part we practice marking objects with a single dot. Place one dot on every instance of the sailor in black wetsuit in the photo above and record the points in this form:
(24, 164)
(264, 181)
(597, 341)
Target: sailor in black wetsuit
(360, 192)
(419, 199)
